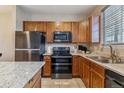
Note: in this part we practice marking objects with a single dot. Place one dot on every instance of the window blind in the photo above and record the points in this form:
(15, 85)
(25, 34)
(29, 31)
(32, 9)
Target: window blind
(113, 24)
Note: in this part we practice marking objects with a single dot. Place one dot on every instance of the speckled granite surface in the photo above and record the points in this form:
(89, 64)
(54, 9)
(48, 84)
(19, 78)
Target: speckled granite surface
(17, 74)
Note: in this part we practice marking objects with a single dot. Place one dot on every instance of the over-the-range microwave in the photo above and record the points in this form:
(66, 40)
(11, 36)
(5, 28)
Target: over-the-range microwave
(62, 37)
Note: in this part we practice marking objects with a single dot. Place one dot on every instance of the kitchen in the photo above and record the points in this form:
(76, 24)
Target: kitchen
(65, 46)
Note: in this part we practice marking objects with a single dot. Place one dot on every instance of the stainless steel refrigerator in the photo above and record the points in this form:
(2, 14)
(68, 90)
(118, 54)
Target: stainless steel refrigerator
(29, 46)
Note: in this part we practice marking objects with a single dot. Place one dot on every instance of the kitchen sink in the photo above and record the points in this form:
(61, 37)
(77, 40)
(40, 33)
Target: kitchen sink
(102, 59)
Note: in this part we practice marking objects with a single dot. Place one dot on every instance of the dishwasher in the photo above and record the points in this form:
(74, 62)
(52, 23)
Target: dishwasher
(114, 80)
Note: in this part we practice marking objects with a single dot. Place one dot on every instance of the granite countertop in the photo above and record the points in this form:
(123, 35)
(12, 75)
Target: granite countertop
(17, 74)
(116, 67)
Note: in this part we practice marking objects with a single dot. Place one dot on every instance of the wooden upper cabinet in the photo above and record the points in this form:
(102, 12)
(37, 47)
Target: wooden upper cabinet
(75, 32)
(88, 34)
(63, 26)
(29, 26)
(41, 26)
(67, 26)
(34, 26)
(82, 32)
(49, 31)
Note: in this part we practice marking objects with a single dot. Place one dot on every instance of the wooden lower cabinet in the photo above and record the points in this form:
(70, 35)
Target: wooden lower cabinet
(97, 81)
(86, 73)
(35, 82)
(75, 66)
(47, 66)
(97, 76)
(92, 74)
(81, 67)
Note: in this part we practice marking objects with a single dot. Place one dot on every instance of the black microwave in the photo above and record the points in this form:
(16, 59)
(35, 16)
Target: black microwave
(62, 37)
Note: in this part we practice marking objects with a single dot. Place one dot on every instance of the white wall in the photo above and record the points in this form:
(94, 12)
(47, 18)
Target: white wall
(7, 34)
(21, 16)
(55, 17)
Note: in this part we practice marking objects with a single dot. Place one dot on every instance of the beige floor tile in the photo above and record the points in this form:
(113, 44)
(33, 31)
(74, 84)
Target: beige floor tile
(80, 83)
(62, 83)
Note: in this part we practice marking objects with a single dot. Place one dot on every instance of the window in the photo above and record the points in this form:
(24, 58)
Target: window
(113, 24)
(95, 29)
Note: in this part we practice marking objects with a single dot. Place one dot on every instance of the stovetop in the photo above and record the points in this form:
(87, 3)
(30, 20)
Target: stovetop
(61, 51)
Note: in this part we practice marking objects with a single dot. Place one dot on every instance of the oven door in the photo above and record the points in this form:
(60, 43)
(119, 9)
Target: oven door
(61, 68)
(61, 59)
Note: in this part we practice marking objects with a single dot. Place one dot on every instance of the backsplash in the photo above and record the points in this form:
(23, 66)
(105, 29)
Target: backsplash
(105, 50)
(73, 47)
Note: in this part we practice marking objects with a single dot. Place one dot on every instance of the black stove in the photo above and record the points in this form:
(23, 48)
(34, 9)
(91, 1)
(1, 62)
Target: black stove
(61, 63)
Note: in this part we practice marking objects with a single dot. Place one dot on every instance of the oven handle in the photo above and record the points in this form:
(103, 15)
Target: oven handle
(57, 64)
(61, 56)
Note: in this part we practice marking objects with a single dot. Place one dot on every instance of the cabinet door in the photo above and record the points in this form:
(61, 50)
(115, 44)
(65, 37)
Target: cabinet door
(86, 73)
(75, 66)
(29, 26)
(50, 29)
(66, 26)
(81, 67)
(82, 32)
(41, 26)
(47, 66)
(37, 83)
(34, 26)
(97, 81)
(88, 28)
(75, 32)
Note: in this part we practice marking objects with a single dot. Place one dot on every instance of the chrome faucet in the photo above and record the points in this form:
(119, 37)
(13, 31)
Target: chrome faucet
(112, 53)
(114, 56)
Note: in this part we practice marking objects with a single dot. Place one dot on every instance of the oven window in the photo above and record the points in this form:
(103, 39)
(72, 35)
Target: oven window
(62, 69)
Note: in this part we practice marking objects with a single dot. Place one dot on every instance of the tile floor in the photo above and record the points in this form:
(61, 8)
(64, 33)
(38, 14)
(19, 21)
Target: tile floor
(62, 83)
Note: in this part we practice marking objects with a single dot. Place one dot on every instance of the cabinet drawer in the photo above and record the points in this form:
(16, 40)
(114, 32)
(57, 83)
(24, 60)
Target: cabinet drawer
(35, 78)
(99, 69)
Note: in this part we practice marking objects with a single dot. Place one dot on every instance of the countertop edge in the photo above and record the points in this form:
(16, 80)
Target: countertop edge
(34, 73)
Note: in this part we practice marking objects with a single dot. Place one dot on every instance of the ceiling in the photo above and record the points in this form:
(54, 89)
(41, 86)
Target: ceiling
(59, 9)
